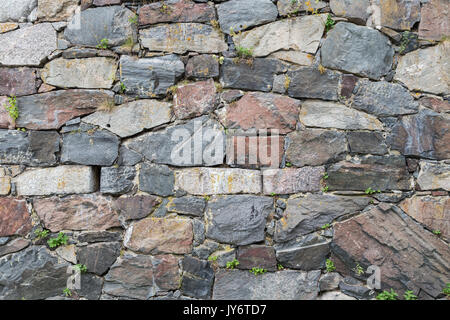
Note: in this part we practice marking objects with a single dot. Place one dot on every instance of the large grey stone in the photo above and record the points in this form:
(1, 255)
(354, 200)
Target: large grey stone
(131, 118)
(90, 26)
(28, 46)
(282, 285)
(433, 176)
(98, 257)
(149, 77)
(98, 148)
(309, 82)
(198, 278)
(383, 99)
(16, 10)
(366, 142)
(238, 220)
(116, 180)
(358, 50)
(243, 14)
(156, 179)
(200, 141)
(182, 37)
(309, 213)
(32, 274)
(187, 205)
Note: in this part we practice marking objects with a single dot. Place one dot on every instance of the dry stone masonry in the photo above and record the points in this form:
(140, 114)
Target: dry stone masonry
(226, 149)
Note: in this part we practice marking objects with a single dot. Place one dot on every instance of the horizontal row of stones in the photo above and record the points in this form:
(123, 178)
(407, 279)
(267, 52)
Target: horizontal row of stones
(153, 245)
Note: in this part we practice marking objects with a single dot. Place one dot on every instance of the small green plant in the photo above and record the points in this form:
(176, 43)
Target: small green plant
(67, 292)
(257, 271)
(60, 240)
(103, 44)
(288, 164)
(273, 194)
(446, 290)
(437, 232)
(369, 190)
(133, 20)
(325, 226)
(206, 198)
(123, 88)
(409, 295)
(81, 267)
(244, 53)
(330, 265)
(329, 23)
(325, 176)
(212, 258)
(387, 295)
(232, 264)
(358, 270)
(325, 189)
(12, 109)
(41, 234)
(280, 266)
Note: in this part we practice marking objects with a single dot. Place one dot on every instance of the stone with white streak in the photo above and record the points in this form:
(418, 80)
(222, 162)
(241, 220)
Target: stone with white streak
(434, 176)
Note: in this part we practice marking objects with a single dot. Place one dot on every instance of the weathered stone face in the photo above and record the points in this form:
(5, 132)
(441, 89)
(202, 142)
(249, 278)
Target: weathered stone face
(399, 15)
(195, 99)
(434, 176)
(77, 212)
(242, 14)
(27, 46)
(426, 69)
(14, 217)
(176, 11)
(182, 37)
(98, 257)
(14, 246)
(116, 180)
(131, 118)
(187, 206)
(434, 22)
(309, 82)
(18, 81)
(198, 278)
(16, 10)
(292, 180)
(256, 255)
(354, 10)
(58, 180)
(90, 26)
(238, 220)
(202, 66)
(274, 112)
(89, 73)
(287, 7)
(156, 179)
(135, 207)
(358, 50)
(56, 10)
(307, 214)
(283, 285)
(150, 77)
(158, 235)
(388, 238)
(366, 142)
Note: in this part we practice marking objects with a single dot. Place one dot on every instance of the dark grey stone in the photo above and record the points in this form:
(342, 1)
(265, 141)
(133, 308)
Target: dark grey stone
(91, 286)
(156, 179)
(198, 277)
(199, 231)
(356, 289)
(204, 250)
(309, 82)
(98, 236)
(117, 180)
(202, 67)
(128, 157)
(329, 281)
(366, 142)
(188, 205)
(98, 257)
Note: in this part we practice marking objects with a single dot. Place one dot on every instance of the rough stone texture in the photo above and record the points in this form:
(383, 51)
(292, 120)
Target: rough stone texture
(27, 46)
(383, 99)
(242, 14)
(354, 10)
(8, 26)
(436, 104)
(292, 180)
(329, 281)
(202, 66)
(309, 213)
(89, 73)
(90, 148)
(56, 10)
(193, 100)
(156, 179)
(426, 69)
(309, 82)
(325, 114)
(366, 142)
(375, 172)
(314, 147)
(301, 34)
(198, 278)
(398, 15)
(176, 11)
(257, 76)
(98, 257)
(16, 10)
(32, 274)
(434, 22)
(135, 207)
(14, 217)
(201, 141)
(238, 220)
(116, 180)
(274, 112)
(18, 81)
(131, 118)
(433, 212)
(409, 256)
(52, 109)
(59, 180)
(256, 256)
(283, 285)
(157, 235)
(209, 181)
(86, 212)
(187, 205)
(358, 50)
(90, 26)
(434, 176)
(426, 135)
(141, 277)
(150, 77)
(287, 7)
(14, 246)
(182, 37)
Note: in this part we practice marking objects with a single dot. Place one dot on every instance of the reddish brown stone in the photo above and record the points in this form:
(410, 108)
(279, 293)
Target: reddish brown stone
(255, 151)
(436, 104)
(195, 99)
(87, 212)
(348, 84)
(14, 246)
(165, 272)
(176, 11)
(434, 23)
(409, 257)
(18, 81)
(136, 207)
(257, 256)
(439, 193)
(6, 122)
(14, 217)
(263, 111)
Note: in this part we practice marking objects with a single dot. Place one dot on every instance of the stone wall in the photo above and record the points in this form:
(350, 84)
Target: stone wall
(163, 140)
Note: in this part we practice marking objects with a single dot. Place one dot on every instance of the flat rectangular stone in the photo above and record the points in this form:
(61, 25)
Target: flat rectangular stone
(292, 180)
(57, 180)
(208, 181)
